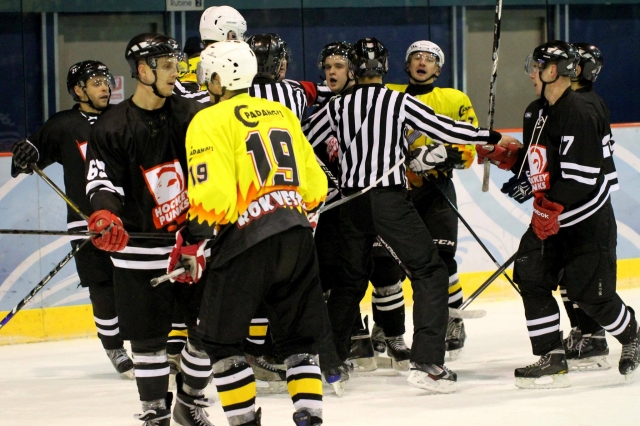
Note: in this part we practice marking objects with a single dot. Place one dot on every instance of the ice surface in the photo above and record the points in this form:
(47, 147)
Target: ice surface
(73, 383)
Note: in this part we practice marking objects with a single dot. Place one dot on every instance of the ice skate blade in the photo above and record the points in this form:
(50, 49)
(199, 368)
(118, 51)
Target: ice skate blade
(400, 365)
(553, 381)
(629, 377)
(271, 387)
(421, 380)
(338, 388)
(595, 363)
(362, 365)
(467, 314)
(128, 375)
(454, 354)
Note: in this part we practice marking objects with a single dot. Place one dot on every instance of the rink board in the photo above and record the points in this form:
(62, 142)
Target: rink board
(61, 310)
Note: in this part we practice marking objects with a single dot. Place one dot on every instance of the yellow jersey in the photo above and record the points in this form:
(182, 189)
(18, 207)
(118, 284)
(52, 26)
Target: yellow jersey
(454, 104)
(252, 174)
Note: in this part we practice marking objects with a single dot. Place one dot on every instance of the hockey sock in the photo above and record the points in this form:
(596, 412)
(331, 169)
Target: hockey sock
(177, 338)
(570, 307)
(625, 327)
(586, 324)
(388, 309)
(236, 387)
(305, 383)
(105, 315)
(196, 369)
(455, 291)
(152, 373)
(258, 330)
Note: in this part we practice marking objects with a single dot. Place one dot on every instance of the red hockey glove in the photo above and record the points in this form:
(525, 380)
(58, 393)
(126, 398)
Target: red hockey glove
(332, 149)
(545, 216)
(503, 157)
(113, 236)
(191, 258)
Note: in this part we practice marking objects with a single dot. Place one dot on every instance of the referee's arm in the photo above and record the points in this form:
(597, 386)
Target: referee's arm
(441, 128)
(317, 128)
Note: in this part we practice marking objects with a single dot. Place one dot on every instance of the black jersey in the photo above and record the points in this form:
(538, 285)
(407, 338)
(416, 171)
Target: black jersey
(564, 155)
(369, 124)
(63, 139)
(136, 168)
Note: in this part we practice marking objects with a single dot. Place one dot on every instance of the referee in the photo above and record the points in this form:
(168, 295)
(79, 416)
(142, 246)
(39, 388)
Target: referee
(369, 124)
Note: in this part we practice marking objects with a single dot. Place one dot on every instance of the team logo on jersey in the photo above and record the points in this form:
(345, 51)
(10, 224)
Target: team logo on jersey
(168, 186)
(82, 147)
(463, 109)
(538, 177)
(244, 114)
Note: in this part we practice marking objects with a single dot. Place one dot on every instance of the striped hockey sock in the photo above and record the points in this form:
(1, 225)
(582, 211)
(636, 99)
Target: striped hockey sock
(236, 387)
(304, 383)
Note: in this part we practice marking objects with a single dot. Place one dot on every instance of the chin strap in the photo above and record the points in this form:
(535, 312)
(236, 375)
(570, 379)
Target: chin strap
(90, 103)
(216, 98)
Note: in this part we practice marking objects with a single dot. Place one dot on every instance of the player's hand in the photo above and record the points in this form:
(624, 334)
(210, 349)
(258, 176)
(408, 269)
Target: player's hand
(426, 157)
(190, 257)
(544, 220)
(503, 157)
(506, 140)
(110, 233)
(518, 189)
(24, 153)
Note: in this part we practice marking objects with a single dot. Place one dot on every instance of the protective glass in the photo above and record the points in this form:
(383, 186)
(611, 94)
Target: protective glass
(98, 80)
(427, 56)
(177, 61)
(532, 65)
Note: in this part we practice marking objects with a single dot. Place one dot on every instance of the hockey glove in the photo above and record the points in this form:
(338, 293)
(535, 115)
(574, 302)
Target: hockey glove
(426, 157)
(190, 257)
(332, 149)
(503, 157)
(110, 233)
(545, 216)
(24, 153)
(518, 189)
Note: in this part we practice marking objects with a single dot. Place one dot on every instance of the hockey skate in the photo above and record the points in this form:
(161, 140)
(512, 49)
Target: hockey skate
(303, 418)
(589, 353)
(335, 377)
(549, 372)
(399, 353)
(630, 357)
(189, 410)
(432, 377)
(121, 362)
(377, 339)
(269, 378)
(362, 355)
(571, 341)
(454, 340)
(157, 416)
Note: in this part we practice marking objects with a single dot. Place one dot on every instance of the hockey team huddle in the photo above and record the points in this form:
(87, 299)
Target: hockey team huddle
(262, 224)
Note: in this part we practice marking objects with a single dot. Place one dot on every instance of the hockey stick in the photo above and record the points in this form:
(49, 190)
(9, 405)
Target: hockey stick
(491, 279)
(362, 191)
(466, 224)
(58, 191)
(83, 234)
(492, 87)
(42, 283)
(456, 313)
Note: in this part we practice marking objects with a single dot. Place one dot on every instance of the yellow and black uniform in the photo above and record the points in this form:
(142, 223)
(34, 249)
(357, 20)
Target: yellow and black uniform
(440, 219)
(252, 178)
(187, 86)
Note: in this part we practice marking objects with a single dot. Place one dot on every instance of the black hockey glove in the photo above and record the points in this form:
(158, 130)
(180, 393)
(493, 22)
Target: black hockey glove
(24, 153)
(518, 188)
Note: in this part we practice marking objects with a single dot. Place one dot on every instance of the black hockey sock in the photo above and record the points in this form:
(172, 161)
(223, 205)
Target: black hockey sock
(196, 369)
(388, 309)
(586, 324)
(570, 307)
(105, 316)
(151, 368)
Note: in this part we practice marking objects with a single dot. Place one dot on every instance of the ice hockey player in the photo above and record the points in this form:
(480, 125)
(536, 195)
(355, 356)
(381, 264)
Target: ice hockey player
(573, 228)
(136, 181)
(217, 23)
(253, 181)
(376, 158)
(63, 139)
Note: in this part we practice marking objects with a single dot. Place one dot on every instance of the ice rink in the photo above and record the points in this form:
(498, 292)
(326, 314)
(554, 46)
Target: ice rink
(72, 383)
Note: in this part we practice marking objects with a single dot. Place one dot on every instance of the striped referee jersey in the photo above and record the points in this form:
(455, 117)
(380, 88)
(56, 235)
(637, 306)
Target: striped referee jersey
(369, 124)
(289, 93)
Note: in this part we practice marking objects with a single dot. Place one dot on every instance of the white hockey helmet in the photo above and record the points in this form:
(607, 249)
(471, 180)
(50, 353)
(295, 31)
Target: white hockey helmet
(218, 21)
(232, 60)
(425, 46)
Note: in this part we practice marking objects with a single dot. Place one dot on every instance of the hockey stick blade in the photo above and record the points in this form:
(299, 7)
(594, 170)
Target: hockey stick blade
(465, 314)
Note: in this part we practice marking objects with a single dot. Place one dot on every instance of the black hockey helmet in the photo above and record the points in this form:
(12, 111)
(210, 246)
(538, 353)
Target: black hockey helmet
(591, 61)
(337, 48)
(270, 51)
(149, 47)
(369, 57)
(80, 72)
(558, 52)
(193, 46)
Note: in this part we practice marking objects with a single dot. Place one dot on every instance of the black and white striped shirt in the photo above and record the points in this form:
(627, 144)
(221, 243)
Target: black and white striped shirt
(287, 92)
(191, 90)
(369, 124)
